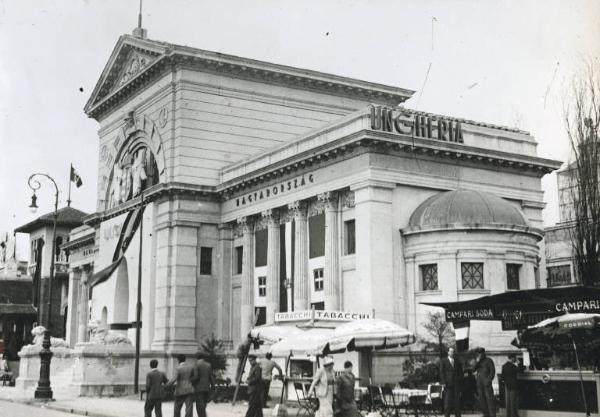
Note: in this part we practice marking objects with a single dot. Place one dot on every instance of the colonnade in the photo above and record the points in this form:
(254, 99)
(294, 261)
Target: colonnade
(301, 273)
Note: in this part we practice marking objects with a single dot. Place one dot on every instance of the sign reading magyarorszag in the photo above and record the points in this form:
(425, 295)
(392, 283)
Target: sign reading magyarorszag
(406, 122)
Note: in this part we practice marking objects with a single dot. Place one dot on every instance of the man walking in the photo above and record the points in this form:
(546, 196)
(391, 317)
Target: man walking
(184, 390)
(155, 391)
(203, 383)
(485, 375)
(345, 392)
(451, 376)
(255, 389)
(267, 365)
(510, 371)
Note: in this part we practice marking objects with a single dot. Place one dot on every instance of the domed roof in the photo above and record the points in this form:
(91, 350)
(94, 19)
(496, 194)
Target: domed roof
(465, 207)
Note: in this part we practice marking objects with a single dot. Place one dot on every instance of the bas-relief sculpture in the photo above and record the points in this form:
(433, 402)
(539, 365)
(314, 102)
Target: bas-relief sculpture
(127, 178)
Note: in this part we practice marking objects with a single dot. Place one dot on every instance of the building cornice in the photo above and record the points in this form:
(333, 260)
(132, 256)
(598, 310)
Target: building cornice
(170, 56)
(155, 193)
(300, 154)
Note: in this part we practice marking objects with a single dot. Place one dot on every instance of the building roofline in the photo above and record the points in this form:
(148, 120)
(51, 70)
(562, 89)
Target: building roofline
(242, 67)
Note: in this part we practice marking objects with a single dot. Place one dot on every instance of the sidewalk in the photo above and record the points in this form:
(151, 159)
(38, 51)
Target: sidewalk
(112, 406)
(125, 406)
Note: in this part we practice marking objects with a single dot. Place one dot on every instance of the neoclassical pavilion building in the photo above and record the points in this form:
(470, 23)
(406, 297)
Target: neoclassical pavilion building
(240, 189)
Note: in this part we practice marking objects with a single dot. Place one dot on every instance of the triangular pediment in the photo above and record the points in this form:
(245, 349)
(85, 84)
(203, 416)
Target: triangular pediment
(130, 58)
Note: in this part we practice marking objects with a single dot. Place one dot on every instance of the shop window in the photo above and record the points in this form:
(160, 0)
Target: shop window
(262, 286)
(472, 275)
(429, 277)
(318, 279)
(261, 247)
(350, 237)
(205, 261)
(316, 236)
(559, 275)
(239, 258)
(512, 276)
(318, 306)
(260, 315)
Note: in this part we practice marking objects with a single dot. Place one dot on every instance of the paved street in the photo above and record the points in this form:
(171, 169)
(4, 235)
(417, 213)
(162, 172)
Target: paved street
(12, 409)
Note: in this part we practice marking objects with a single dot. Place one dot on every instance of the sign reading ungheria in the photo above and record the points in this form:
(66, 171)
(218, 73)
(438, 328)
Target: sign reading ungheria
(406, 122)
(274, 190)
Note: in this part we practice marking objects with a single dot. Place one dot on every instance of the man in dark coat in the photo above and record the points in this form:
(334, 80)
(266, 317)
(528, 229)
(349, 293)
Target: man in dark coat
(203, 383)
(486, 371)
(345, 382)
(184, 390)
(510, 371)
(255, 389)
(155, 390)
(451, 376)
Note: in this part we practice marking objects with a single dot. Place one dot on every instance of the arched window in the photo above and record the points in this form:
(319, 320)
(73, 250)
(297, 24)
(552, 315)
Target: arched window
(104, 319)
(59, 241)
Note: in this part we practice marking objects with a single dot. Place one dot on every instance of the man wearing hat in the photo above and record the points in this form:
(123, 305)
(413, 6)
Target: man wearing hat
(486, 370)
(255, 388)
(322, 386)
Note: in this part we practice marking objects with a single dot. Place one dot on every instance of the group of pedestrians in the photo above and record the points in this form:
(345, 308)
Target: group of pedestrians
(326, 386)
(193, 383)
(451, 377)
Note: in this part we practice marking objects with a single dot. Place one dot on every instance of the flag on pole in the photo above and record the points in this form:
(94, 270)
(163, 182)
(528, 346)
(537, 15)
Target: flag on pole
(75, 177)
(461, 334)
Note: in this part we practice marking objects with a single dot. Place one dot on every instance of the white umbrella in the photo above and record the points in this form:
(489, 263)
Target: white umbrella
(308, 342)
(274, 333)
(368, 334)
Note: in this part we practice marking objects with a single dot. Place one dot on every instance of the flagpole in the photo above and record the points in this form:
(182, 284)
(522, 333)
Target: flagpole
(70, 180)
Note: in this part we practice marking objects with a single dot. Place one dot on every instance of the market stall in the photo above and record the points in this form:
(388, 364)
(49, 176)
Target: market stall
(557, 372)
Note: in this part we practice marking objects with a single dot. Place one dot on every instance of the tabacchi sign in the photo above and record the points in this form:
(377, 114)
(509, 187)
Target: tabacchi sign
(321, 315)
(419, 125)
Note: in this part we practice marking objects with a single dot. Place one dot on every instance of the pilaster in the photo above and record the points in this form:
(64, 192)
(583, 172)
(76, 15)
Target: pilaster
(374, 246)
(224, 267)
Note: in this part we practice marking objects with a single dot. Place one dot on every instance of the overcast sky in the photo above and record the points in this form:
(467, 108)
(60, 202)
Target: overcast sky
(504, 62)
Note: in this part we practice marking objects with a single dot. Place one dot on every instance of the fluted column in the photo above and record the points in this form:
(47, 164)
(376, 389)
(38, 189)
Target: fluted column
(331, 270)
(83, 305)
(273, 263)
(247, 307)
(301, 281)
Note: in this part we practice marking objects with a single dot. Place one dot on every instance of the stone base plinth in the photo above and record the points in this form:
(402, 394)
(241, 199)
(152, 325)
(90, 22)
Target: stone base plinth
(88, 370)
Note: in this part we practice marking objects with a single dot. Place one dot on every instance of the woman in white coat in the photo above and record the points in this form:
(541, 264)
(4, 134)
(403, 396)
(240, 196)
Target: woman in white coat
(322, 386)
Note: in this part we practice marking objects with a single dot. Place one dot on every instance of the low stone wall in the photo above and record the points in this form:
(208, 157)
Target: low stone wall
(88, 370)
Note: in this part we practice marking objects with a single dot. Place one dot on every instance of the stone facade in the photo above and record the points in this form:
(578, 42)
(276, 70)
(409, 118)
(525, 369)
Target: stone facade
(266, 188)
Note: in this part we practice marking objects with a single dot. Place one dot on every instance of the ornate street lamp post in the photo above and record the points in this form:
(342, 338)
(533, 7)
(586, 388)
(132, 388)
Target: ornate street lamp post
(43, 390)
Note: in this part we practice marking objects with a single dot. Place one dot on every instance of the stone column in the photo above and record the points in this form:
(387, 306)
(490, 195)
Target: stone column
(224, 267)
(72, 298)
(301, 280)
(332, 253)
(247, 307)
(83, 306)
(273, 263)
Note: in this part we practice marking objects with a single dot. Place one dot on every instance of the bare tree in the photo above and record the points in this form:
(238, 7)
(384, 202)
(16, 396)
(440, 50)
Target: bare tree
(582, 120)
(441, 330)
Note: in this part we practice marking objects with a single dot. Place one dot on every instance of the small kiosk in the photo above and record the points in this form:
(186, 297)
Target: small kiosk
(551, 384)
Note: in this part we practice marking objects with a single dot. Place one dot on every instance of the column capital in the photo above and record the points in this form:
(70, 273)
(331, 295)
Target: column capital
(329, 199)
(246, 223)
(271, 216)
(299, 209)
